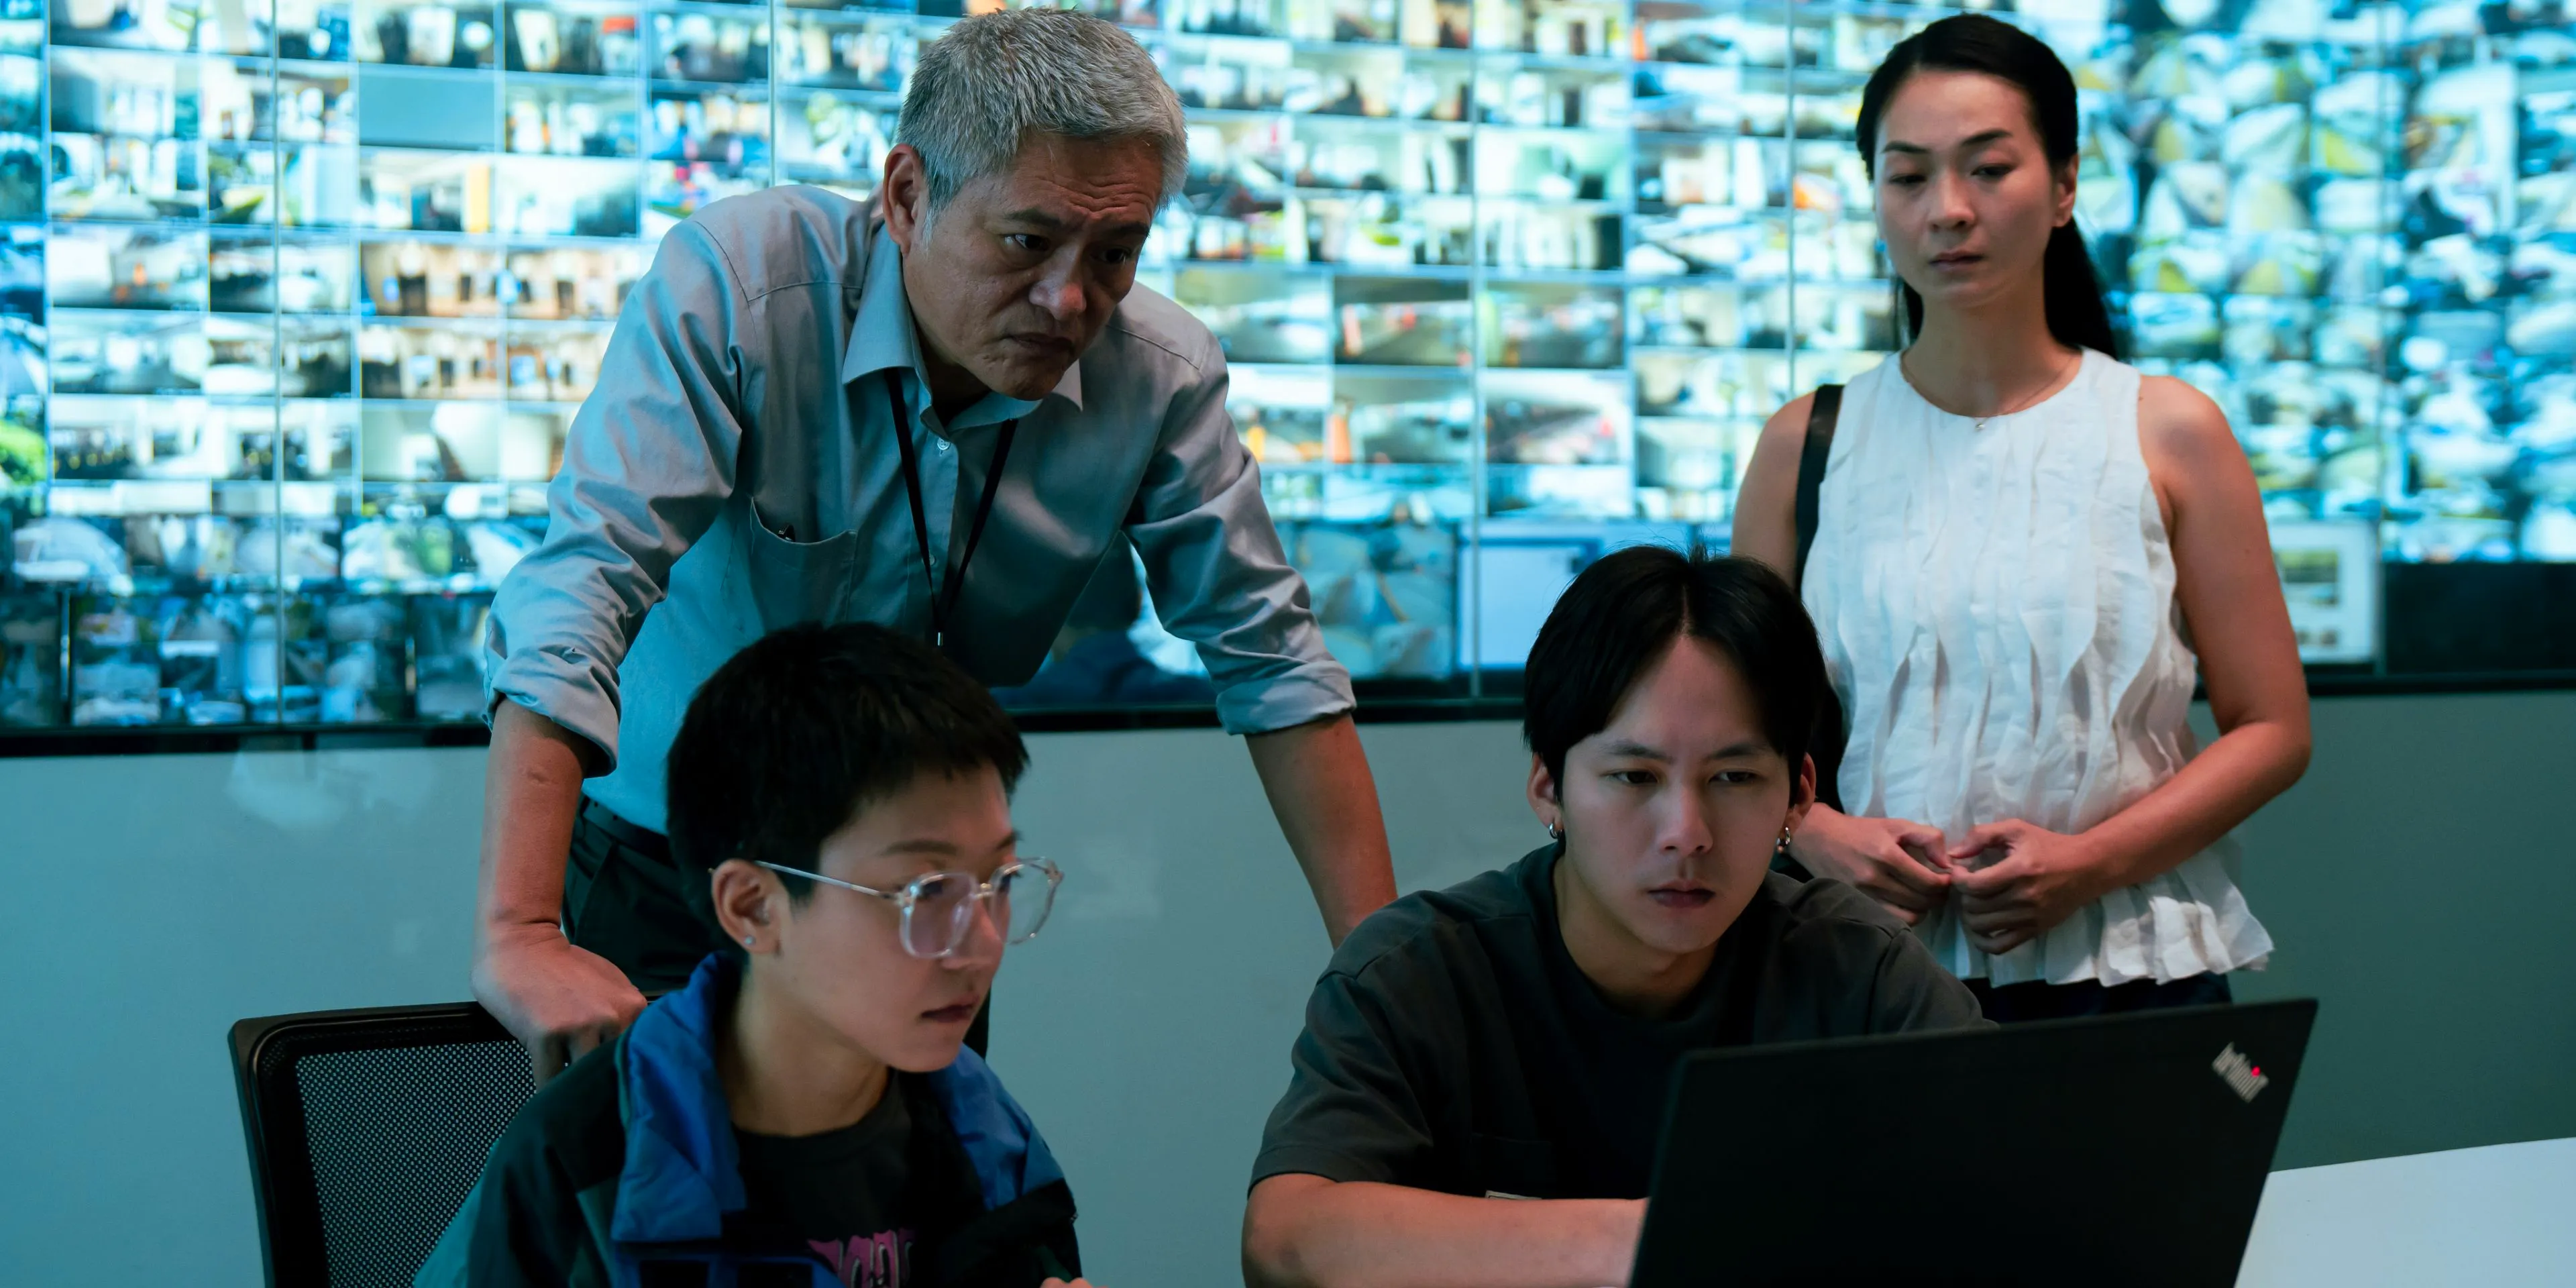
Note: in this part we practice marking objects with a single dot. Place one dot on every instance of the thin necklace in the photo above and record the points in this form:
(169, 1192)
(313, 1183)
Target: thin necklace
(1979, 422)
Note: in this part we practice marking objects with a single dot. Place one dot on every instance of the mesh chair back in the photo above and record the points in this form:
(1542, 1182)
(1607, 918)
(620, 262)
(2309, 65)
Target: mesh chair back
(367, 1128)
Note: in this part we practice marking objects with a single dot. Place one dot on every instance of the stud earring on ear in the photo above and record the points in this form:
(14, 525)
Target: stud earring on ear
(746, 941)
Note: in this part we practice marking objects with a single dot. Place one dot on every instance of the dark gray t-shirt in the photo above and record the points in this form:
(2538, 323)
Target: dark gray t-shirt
(1453, 1045)
(843, 1195)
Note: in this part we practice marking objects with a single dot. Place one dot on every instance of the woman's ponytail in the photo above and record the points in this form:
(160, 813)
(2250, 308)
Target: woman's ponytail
(2077, 314)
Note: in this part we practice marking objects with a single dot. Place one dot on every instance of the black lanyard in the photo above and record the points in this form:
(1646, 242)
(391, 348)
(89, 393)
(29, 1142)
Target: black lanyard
(943, 593)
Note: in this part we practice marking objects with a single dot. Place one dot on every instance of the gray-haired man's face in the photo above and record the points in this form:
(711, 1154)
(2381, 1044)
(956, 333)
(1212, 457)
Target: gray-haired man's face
(1018, 273)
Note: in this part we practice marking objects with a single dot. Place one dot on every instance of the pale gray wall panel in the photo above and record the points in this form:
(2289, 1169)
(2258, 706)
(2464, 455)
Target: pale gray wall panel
(2416, 882)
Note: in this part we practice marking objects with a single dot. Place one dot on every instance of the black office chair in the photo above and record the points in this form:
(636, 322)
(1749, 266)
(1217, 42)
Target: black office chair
(367, 1128)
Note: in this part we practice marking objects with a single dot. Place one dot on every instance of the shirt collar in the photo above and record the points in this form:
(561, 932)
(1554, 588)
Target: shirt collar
(882, 338)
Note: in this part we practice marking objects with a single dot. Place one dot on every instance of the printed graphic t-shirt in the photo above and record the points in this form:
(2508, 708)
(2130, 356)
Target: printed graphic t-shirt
(842, 1194)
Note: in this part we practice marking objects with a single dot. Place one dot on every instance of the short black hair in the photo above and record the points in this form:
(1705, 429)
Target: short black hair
(1620, 616)
(794, 735)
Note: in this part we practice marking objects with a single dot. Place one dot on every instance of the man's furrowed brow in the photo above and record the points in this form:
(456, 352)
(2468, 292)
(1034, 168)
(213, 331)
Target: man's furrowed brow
(1034, 217)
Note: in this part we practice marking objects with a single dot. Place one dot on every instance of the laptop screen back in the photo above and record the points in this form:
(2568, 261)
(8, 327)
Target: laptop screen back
(2121, 1150)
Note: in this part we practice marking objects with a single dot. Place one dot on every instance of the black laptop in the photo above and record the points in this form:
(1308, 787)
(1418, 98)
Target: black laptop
(2122, 1150)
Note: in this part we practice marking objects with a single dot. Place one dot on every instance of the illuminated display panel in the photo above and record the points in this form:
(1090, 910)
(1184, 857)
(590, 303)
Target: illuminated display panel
(297, 299)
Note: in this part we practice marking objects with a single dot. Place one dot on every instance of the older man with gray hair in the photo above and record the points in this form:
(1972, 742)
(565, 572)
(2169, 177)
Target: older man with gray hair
(938, 410)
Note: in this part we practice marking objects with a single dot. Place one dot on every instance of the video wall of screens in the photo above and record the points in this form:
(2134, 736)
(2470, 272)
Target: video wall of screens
(298, 296)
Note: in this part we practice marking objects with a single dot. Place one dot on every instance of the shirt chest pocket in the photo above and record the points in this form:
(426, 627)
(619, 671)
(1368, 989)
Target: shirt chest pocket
(1507, 1167)
(797, 581)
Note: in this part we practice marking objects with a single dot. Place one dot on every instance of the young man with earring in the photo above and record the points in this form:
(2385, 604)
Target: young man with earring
(1477, 1094)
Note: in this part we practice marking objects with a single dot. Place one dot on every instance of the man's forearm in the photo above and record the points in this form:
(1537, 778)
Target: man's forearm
(1308, 1232)
(1317, 778)
(558, 999)
(531, 796)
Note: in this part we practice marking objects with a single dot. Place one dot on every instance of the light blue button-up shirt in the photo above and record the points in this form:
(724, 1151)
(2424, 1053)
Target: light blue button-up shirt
(736, 471)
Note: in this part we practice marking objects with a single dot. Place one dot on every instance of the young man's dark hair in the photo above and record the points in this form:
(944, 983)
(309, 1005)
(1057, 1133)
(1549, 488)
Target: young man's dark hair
(798, 731)
(803, 1111)
(1513, 1037)
(1626, 611)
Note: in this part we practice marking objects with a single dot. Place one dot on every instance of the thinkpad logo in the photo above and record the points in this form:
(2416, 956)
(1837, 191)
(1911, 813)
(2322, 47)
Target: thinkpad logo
(2243, 1076)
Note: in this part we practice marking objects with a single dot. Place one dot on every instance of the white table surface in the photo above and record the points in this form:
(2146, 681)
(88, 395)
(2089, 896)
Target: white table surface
(2501, 1216)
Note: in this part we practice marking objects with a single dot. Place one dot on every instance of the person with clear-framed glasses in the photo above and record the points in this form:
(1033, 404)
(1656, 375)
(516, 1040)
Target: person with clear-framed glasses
(805, 1109)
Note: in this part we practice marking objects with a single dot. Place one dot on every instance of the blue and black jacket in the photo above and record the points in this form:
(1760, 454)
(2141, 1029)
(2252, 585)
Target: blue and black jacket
(622, 1173)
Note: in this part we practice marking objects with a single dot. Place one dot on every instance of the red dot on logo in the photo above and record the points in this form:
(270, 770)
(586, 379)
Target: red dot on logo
(2256, 1070)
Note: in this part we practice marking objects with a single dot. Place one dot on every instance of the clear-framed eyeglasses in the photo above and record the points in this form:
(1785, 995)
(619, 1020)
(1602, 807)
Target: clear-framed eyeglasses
(938, 908)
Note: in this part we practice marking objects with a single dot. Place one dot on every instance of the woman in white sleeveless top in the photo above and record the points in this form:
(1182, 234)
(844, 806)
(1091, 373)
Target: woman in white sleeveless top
(2024, 549)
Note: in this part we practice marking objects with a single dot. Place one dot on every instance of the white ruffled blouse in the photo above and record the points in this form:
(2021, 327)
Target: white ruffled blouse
(1997, 609)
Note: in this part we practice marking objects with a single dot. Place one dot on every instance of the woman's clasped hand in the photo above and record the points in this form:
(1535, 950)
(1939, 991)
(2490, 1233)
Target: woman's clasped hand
(1902, 864)
(2013, 880)
(2016, 880)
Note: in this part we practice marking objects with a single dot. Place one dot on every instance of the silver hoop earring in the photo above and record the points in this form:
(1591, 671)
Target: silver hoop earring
(1783, 846)
(1556, 831)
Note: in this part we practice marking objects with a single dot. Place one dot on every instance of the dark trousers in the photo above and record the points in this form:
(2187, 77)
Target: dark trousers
(2017, 1003)
(626, 900)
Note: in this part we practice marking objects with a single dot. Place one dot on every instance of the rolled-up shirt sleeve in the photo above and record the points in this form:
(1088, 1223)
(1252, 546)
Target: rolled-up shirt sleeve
(647, 466)
(1219, 577)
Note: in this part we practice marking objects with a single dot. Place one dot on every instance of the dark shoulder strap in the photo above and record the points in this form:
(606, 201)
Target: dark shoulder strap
(1811, 469)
